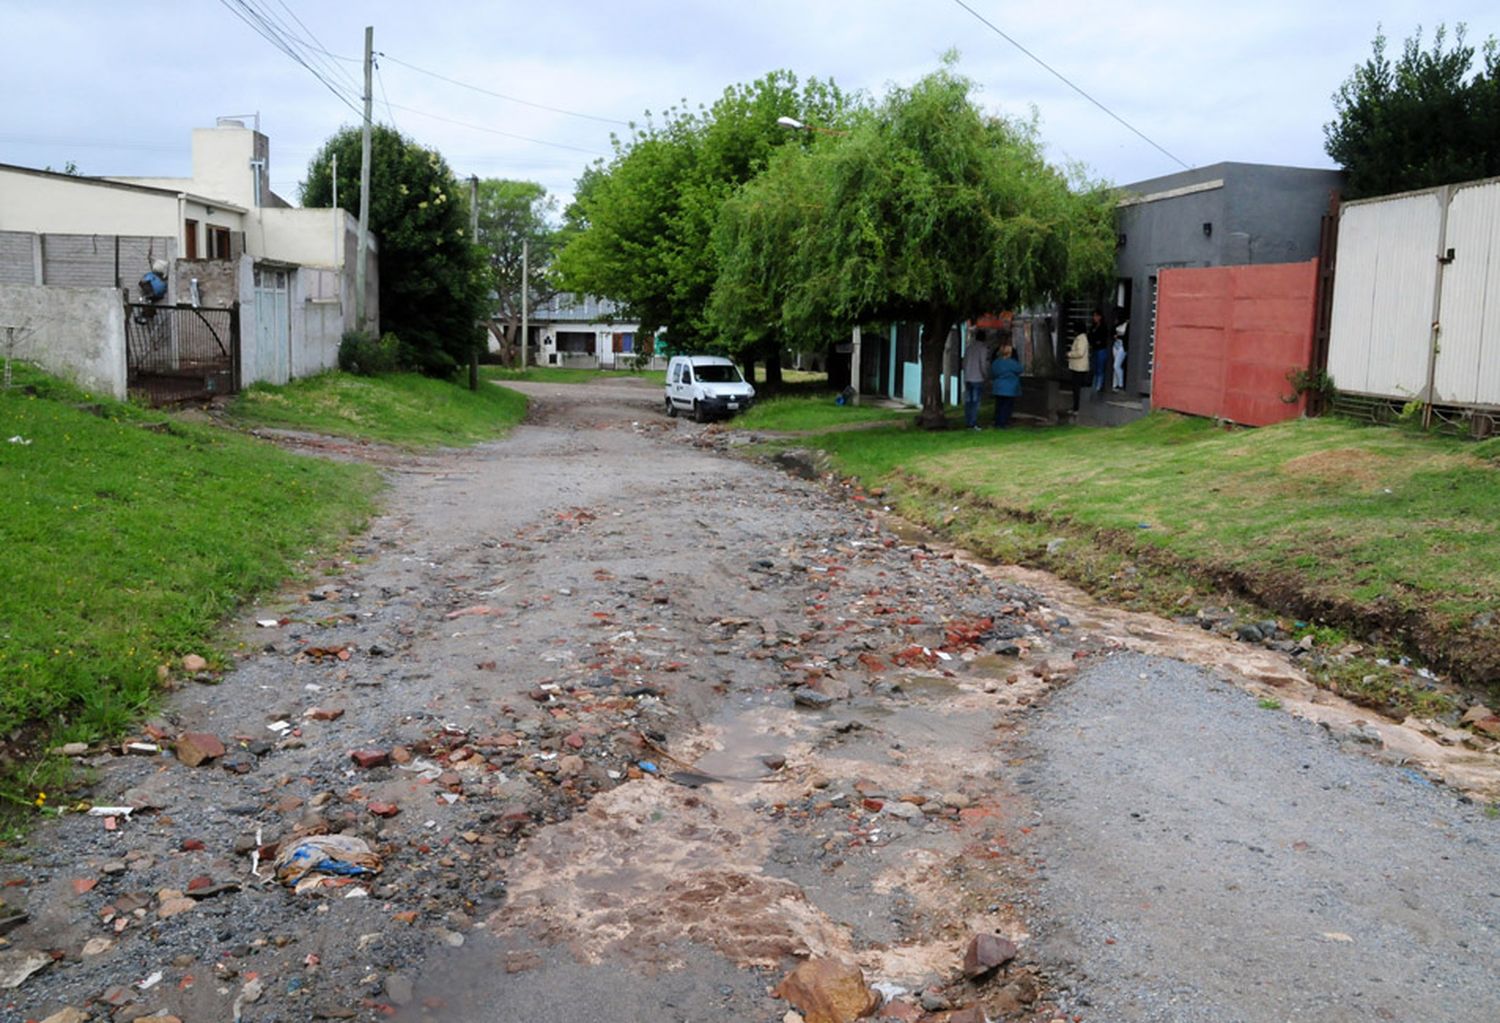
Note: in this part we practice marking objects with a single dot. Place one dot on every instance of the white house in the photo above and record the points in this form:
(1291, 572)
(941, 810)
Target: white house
(585, 331)
(227, 239)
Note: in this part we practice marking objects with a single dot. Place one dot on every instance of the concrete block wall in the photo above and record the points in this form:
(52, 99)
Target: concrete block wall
(76, 333)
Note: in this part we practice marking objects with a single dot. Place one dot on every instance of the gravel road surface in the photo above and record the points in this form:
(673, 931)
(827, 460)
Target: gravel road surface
(1201, 858)
(631, 727)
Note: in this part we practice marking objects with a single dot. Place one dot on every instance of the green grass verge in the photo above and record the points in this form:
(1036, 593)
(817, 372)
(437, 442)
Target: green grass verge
(126, 538)
(403, 409)
(813, 413)
(563, 375)
(1370, 529)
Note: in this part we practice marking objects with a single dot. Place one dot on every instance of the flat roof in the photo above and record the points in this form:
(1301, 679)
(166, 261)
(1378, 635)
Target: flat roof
(82, 179)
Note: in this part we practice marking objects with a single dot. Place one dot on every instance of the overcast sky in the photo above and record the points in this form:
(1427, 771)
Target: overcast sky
(116, 88)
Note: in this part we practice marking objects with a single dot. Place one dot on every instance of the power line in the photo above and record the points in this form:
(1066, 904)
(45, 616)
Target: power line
(381, 79)
(312, 42)
(495, 131)
(1066, 81)
(501, 95)
(267, 29)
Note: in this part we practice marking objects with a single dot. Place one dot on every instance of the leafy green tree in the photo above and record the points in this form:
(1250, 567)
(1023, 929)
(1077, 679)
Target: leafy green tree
(928, 210)
(516, 216)
(642, 224)
(1428, 118)
(433, 284)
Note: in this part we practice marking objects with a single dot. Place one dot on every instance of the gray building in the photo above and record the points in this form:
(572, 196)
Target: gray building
(1227, 214)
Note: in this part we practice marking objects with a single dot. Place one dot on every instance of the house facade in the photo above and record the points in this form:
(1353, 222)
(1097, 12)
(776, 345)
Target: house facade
(589, 332)
(1226, 214)
(220, 240)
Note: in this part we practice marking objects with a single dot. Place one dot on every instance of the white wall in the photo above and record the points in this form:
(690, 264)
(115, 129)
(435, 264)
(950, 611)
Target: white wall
(310, 237)
(1394, 277)
(76, 333)
(322, 322)
(1380, 332)
(55, 204)
(221, 164)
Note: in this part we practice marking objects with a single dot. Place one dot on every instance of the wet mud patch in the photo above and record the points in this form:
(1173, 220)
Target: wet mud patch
(652, 864)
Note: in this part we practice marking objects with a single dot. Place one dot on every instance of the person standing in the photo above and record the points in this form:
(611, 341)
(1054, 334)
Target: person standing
(1099, 343)
(1005, 383)
(976, 366)
(1118, 351)
(1078, 366)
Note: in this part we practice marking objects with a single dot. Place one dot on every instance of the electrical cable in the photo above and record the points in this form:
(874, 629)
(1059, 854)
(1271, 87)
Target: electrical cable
(501, 95)
(312, 42)
(254, 18)
(1066, 81)
(381, 80)
(495, 131)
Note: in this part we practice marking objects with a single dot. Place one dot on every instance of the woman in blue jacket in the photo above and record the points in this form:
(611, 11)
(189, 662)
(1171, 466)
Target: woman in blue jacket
(1005, 383)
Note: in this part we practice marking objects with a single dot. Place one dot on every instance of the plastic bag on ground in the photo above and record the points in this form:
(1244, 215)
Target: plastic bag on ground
(332, 855)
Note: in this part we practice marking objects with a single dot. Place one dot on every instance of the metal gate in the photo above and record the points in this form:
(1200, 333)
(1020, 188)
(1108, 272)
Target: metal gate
(179, 353)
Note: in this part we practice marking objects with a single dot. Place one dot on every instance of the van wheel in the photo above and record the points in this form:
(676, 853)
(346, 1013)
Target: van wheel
(671, 409)
(699, 414)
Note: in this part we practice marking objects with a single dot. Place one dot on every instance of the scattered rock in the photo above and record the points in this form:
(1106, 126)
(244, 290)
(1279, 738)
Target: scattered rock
(802, 696)
(398, 989)
(987, 952)
(195, 748)
(828, 991)
(68, 1015)
(973, 1014)
(370, 758)
(171, 907)
(324, 713)
(933, 1000)
(1478, 712)
(18, 964)
(194, 663)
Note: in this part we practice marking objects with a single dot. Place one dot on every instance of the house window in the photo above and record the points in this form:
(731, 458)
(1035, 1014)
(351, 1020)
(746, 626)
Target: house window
(190, 236)
(218, 242)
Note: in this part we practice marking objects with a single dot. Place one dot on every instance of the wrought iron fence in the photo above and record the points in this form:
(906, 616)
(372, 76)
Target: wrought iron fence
(181, 353)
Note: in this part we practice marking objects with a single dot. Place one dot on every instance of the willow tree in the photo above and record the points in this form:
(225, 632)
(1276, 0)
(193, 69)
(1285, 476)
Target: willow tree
(928, 211)
(640, 229)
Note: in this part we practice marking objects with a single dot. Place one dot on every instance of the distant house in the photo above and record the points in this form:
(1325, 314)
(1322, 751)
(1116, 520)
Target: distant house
(585, 331)
(227, 242)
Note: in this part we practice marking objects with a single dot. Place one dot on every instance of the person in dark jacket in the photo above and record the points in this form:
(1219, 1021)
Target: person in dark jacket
(1100, 341)
(1005, 383)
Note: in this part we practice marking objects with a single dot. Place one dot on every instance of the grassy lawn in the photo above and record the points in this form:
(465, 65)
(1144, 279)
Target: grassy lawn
(563, 375)
(126, 538)
(1324, 519)
(404, 409)
(813, 413)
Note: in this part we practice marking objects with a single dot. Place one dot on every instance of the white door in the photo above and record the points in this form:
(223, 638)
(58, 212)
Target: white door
(272, 360)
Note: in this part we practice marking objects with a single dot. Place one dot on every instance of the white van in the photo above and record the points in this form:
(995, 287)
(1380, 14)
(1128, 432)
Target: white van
(706, 385)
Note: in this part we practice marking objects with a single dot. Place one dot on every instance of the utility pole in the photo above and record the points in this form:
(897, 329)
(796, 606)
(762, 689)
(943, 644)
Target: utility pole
(525, 294)
(364, 187)
(474, 237)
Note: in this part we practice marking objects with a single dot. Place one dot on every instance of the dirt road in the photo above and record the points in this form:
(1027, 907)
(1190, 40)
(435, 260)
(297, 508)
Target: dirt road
(629, 728)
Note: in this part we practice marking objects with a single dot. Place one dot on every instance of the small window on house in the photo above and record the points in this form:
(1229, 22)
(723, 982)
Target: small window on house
(218, 242)
(190, 236)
